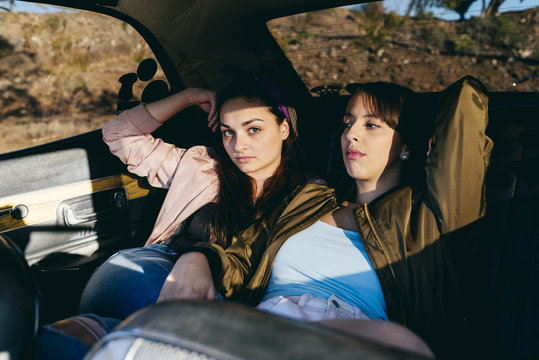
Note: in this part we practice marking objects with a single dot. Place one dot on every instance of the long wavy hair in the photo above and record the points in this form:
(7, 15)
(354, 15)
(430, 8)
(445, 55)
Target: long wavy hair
(236, 207)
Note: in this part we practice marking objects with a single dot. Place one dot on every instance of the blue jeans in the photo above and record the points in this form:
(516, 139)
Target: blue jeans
(128, 281)
(54, 344)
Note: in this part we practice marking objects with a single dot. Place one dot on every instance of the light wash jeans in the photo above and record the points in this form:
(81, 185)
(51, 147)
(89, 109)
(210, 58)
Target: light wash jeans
(128, 281)
(309, 308)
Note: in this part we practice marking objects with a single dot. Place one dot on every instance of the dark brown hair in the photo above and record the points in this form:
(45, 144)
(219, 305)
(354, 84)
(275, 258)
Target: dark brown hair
(382, 99)
(236, 208)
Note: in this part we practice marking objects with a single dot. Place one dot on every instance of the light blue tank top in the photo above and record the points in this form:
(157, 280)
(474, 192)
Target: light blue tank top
(324, 260)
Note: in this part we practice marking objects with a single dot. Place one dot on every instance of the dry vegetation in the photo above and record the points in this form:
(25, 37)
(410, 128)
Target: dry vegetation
(58, 78)
(57, 75)
(341, 46)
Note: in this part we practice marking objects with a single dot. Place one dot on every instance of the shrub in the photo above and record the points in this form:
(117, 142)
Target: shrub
(462, 43)
(501, 31)
(140, 56)
(5, 47)
(435, 36)
(52, 22)
(79, 61)
(377, 25)
(504, 32)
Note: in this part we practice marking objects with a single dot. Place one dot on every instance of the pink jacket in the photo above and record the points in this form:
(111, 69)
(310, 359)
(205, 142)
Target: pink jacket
(189, 174)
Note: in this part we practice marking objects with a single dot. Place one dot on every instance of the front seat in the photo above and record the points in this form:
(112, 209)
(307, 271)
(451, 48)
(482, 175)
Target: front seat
(204, 330)
(19, 303)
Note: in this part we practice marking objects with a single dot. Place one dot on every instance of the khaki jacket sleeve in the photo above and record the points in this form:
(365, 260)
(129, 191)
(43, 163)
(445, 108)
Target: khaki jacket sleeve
(232, 266)
(128, 137)
(459, 156)
(249, 256)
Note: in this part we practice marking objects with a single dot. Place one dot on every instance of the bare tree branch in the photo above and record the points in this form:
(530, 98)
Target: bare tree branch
(493, 7)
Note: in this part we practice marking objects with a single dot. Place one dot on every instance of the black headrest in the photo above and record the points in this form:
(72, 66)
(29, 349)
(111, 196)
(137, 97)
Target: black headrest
(514, 167)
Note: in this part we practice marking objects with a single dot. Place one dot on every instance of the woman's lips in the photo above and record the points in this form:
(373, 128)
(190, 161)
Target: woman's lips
(243, 159)
(353, 154)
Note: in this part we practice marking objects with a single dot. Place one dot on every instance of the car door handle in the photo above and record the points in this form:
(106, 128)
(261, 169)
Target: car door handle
(18, 212)
(72, 219)
(84, 211)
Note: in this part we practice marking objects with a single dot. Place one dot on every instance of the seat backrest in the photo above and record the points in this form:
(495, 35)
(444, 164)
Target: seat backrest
(19, 302)
(204, 330)
(512, 232)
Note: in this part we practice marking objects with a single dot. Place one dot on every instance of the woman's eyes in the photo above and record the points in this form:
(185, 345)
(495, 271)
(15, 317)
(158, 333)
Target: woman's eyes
(251, 131)
(370, 125)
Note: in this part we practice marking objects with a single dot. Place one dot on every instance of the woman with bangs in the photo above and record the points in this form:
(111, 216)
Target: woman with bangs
(395, 243)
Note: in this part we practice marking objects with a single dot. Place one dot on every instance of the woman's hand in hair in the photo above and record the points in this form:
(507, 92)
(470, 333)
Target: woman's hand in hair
(207, 101)
(164, 109)
(190, 278)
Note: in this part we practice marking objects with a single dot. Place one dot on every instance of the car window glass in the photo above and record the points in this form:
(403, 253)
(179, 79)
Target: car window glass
(60, 70)
(426, 50)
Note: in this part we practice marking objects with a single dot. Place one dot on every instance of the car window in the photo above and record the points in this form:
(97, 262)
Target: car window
(60, 71)
(426, 50)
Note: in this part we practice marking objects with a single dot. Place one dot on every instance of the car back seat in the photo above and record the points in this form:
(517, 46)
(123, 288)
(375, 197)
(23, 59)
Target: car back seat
(512, 237)
(511, 325)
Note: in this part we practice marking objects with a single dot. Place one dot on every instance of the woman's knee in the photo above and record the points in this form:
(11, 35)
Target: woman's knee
(71, 338)
(127, 281)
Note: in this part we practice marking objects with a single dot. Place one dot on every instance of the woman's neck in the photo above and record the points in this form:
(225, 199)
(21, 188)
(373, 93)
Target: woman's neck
(259, 189)
(368, 191)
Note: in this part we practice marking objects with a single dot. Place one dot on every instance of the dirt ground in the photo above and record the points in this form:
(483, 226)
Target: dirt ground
(342, 46)
(56, 69)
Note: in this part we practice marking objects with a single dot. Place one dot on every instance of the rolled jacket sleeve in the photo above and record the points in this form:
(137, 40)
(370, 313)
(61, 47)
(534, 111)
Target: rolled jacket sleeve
(232, 266)
(189, 174)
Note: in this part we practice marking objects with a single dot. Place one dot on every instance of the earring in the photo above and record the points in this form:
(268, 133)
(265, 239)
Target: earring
(404, 157)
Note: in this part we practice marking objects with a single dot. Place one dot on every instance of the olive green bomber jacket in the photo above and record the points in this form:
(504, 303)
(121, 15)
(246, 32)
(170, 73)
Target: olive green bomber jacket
(417, 238)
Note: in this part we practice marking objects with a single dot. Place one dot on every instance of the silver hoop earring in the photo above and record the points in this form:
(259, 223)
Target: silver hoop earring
(404, 157)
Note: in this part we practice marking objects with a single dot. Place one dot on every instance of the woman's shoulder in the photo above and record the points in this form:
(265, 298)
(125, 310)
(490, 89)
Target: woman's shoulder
(313, 191)
(310, 200)
(314, 183)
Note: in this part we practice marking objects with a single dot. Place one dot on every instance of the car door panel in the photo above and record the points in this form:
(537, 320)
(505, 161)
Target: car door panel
(70, 196)
(69, 205)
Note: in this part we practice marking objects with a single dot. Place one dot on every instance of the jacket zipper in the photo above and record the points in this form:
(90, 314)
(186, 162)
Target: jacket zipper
(379, 242)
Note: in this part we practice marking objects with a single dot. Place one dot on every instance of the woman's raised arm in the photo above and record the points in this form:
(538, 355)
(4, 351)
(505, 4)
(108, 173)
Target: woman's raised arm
(128, 135)
(164, 109)
(459, 155)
